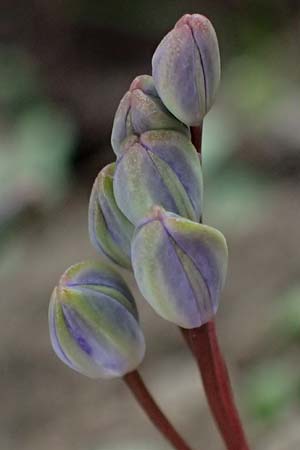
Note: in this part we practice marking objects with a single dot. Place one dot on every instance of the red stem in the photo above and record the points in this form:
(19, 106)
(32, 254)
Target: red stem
(204, 344)
(196, 136)
(145, 399)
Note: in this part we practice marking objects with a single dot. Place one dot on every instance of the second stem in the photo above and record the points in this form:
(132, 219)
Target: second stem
(204, 345)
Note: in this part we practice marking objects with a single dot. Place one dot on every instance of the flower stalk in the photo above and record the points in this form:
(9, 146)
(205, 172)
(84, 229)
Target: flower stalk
(204, 345)
(196, 137)
(135, 383)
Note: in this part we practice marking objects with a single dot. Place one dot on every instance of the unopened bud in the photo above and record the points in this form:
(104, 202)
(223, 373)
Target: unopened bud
(180, 267)
(93, 322)
(110, 231)
(159, 168)
(142, 110)
(186, 68)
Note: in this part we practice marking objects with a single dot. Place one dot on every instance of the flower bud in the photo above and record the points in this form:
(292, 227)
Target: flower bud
(142, 110)
(110, 231)
(180, 267)
(159, 168)
(186, 68)
(93, 322)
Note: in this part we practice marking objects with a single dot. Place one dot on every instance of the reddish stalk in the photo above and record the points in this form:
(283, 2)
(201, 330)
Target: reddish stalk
(204, 345)
(145, 399)
(196, 136)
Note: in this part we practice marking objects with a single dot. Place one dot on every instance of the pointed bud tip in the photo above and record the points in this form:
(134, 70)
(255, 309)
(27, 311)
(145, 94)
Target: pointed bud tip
(193, 20)
(157, 213)
(140, 82)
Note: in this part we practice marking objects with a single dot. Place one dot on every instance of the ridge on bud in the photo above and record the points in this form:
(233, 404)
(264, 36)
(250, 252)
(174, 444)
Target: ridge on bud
(142, 110)
(160, 167)
(110, 231)
(180, 267)
(93, 322)
(186, 68)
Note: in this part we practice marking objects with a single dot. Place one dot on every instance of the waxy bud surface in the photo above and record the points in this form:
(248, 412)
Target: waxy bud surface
(186, 68)
(142, 110)
(180, 267)
(158, 168)
(93, 322)
(110, 231)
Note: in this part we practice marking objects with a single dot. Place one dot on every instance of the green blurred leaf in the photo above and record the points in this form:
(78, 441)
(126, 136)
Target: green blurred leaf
(269, 390)
(250, 85)
(288, 313)
(220, 140)
(237, 197)
(35, 158)
(44, 137)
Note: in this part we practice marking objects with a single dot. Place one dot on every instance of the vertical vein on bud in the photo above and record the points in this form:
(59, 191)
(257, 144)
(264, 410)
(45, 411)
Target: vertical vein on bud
(175, 244)
(197, 49)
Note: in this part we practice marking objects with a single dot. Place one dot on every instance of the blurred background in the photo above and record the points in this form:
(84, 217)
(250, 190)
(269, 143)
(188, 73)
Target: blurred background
(64, 65)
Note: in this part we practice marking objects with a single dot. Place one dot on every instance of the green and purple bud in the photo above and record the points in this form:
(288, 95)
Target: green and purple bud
(110, 231)
(158, 168)
(180, 267)
(93, 322)
(142, 110)
(186, 68)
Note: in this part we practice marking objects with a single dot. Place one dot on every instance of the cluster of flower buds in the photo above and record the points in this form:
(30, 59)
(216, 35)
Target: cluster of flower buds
(144, 214)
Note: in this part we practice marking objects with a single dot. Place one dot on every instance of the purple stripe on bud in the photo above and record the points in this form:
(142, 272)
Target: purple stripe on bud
(180, 267)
